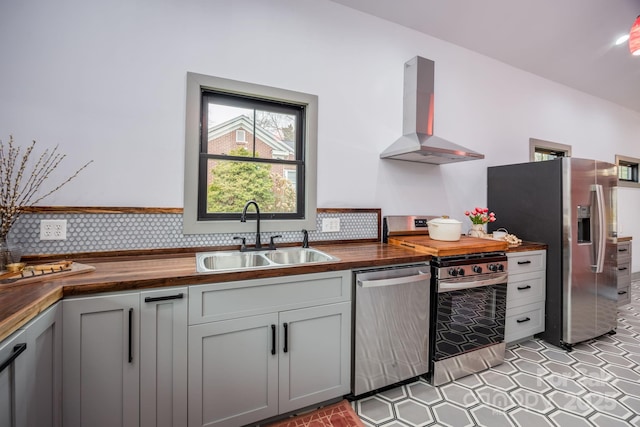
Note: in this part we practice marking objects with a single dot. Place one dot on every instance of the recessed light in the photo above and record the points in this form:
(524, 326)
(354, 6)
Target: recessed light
(622, 39)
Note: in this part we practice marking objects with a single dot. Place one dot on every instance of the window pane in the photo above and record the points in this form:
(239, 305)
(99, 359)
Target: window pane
(223, 124)
(230, 184)
(279, 132)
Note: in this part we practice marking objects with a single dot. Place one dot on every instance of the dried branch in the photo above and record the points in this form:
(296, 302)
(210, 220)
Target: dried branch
(21, 184)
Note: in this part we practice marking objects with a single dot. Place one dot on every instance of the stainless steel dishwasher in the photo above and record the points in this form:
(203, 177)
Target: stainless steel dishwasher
(391, 326)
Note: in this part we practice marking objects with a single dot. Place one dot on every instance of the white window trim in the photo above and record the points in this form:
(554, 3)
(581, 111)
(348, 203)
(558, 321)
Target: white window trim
(191, 225)
(627, 159)
(547, 145)
(244, 136)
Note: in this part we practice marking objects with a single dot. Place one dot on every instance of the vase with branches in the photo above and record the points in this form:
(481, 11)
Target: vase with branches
(23, 175)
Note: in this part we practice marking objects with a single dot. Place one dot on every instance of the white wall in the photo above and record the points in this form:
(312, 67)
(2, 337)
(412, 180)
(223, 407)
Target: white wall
(106, 81)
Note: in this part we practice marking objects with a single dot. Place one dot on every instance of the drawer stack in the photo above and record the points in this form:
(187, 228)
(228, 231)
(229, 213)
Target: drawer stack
(526, 290)
(623, 273)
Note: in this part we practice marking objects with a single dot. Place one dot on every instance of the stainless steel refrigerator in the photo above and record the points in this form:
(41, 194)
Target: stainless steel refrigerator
(569, 204)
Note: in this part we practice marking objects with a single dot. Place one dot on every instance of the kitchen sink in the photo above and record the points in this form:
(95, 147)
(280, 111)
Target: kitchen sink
(235, 260)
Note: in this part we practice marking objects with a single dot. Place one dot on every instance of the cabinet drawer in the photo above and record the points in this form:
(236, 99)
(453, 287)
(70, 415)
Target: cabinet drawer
(527, 288)
(624, 295)
(623, 273)
(525, 262)
(524, 321)
(250, 297)
(624, 251)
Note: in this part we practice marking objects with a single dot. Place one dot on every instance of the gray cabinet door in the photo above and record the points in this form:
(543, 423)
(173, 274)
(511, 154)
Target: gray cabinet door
(316, 364)
(44, 348)
(233, 371)
(163, 357)
(100, 366)
(13, 385)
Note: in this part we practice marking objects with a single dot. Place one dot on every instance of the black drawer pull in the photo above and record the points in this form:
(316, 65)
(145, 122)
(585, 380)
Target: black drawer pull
(17, 350)
(286, 337)
(526, 319)
(524, 262)
(522, 288)
(131, 335)
(622, 268)
(622, 250)
(165, 298)
(622, 292)
(273, 339)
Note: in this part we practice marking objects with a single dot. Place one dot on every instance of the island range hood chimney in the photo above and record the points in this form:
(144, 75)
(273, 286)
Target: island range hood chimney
(418, 143)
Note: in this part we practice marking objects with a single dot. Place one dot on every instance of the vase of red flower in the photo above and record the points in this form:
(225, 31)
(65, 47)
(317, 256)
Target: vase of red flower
(479, 217)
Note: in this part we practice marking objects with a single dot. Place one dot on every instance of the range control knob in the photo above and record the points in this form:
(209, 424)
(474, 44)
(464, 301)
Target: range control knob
(492, 267)
(477, 269)
(453, 272)
(460, 271)
(500, 267)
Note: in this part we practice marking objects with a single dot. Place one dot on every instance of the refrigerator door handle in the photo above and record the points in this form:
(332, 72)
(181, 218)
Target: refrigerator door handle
(601, 233)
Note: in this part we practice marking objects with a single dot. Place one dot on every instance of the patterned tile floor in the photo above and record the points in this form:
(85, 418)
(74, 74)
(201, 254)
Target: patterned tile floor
(538, 385)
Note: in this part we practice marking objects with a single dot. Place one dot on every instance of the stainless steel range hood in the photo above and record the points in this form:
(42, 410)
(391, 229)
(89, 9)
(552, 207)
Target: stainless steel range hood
(418, 144)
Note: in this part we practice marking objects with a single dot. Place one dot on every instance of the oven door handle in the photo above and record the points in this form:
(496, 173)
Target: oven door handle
(394, 280)
(495, 279)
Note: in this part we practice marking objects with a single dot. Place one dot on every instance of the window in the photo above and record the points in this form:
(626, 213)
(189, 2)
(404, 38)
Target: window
(276, 164)
(627, 171)
(241, 136)
(540, 150)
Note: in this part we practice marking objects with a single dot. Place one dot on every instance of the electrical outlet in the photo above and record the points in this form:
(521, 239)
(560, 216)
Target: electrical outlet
(330, 225)
(53, 229)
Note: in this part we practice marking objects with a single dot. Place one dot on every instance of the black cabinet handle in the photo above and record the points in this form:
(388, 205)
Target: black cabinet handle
(166, 298)
(526, 319)
(524, 262)
(286, 337)
(131, 335)
(273, 339)
(17, 351)
(622, 292)
(622, 250)
(622, 268)
(522, 288)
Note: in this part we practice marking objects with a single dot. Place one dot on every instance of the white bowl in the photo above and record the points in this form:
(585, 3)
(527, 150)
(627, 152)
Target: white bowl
(446, 229)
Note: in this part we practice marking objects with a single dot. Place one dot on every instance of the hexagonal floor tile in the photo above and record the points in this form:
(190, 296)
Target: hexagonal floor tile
(526, 418)
(584, 357)
(450, 415)
(394, 394)
(528, 354)
(627, 387)
(557, 355)
(570, 403)
(603, 420)
(561, 369)
(565, 384)
(566, 419)
(423, 392)
(495, 398)
(531, 382)
(413, 413)
(530, 367)
(607, 405)
(459, 395)
(599, 387)
(490, 417)
(531, 400)
(374, 410)
(497, 380)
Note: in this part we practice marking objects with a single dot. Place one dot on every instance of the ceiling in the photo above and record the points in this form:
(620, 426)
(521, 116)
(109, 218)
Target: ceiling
(569, 41)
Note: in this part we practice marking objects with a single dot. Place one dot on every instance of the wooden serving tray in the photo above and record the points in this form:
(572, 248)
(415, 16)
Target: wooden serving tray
(466, 245)
(32, 276)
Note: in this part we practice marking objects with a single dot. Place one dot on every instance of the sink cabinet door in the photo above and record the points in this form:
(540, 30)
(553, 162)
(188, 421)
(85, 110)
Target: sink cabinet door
(100, 366)
(163, 357)
(316, 364)
(233, 375)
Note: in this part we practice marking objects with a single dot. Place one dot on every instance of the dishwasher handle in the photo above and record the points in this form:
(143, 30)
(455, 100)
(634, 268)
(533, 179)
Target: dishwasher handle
(394, 280)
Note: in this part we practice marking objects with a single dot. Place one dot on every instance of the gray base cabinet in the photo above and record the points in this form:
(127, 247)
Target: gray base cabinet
(264, 347)
(623, 272)
(526, 291)
(125, 359)
(101, 361)
(30, 381)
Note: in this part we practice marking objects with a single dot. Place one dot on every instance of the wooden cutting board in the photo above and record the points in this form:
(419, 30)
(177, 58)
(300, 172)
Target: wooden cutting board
(466, 245)
(75, 268)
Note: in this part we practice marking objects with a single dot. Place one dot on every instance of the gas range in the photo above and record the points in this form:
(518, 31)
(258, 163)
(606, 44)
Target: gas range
(470, 266)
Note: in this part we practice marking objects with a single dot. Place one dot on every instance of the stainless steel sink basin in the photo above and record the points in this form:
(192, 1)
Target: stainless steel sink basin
(231, 260)
(298, 256)
(226, 260)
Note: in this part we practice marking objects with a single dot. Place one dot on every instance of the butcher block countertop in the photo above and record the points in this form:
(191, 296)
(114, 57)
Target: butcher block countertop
(21, 302)
(466, 245)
